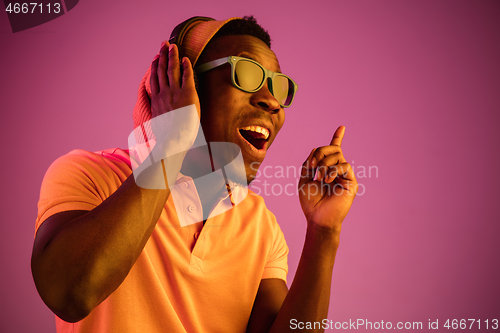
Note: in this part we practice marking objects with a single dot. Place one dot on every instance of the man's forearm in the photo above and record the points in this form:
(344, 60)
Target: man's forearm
(309, 296)
(90, 256)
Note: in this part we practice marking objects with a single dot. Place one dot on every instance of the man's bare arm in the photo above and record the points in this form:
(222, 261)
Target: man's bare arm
(79, 258)
(309, 295)
(325, 199)
(267, 304)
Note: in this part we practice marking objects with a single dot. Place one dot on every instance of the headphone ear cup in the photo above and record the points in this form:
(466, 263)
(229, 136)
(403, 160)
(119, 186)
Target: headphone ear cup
(177, 36)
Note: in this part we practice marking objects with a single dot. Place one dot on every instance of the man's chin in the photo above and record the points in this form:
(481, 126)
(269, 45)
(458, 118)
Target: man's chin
(249, 180)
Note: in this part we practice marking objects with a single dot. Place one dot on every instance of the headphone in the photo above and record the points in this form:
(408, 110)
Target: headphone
(177, 35)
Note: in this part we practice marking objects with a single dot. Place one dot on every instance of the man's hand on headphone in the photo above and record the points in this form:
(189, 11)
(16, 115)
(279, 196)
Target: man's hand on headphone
(170, 89)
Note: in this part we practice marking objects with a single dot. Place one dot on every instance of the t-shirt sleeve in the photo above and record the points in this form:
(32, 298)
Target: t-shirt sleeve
(80, 180)
(277, 264)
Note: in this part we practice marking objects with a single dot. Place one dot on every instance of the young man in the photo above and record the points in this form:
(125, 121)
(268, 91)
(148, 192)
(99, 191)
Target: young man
(113, 256)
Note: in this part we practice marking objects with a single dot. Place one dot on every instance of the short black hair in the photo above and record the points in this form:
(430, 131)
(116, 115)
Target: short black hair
(246, 26)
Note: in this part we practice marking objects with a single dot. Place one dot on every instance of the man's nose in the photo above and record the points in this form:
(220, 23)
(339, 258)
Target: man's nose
(265, 100)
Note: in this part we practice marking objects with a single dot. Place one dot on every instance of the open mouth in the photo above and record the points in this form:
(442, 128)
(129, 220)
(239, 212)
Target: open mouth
(255, 135)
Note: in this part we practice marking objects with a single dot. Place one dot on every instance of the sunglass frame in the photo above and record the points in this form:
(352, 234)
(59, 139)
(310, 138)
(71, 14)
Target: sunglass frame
(233, 60)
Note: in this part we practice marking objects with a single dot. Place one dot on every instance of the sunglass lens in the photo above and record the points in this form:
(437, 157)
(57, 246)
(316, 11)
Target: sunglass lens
(283, 90)
(248, 75)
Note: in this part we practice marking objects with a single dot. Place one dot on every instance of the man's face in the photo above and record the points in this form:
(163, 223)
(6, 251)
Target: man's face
(250, 120)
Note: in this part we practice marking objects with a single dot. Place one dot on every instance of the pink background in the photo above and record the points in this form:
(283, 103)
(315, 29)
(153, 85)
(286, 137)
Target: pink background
(416, 83)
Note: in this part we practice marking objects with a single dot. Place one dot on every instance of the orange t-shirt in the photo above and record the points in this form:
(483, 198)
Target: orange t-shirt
(187, 279)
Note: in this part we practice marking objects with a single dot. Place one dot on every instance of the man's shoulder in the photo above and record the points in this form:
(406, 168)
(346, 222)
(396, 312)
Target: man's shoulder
(255, 198)
(116, 154)
(107, 156)
(255, 205)
(103, 162)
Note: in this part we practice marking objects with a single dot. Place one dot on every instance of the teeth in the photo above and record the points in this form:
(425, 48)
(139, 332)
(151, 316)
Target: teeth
(257, 129)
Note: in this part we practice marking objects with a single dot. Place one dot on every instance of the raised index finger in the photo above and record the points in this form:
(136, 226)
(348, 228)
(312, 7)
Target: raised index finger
(338, 136)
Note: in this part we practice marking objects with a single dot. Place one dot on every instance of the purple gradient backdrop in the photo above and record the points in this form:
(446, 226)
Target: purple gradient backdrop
(416, 83)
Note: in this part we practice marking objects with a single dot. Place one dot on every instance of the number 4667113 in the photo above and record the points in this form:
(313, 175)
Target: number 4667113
(33, 7)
